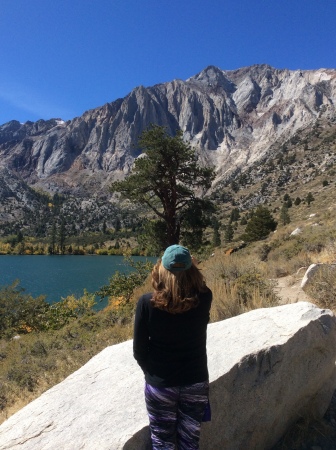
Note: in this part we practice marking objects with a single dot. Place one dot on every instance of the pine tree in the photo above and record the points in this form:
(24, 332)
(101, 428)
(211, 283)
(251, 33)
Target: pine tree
(309, 198)
(260, 225)
(166, 179)
(216, 239)
(229, 233)
(284, 215)
(52, 238)
(235, 215)
(61, 237)
(104, 227)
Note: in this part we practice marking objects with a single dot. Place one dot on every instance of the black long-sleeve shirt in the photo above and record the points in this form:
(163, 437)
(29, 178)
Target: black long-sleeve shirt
(171, 348)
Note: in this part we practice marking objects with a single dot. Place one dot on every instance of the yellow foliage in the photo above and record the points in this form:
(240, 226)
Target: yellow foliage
(115, 303)
(84, 303)
(26, 328)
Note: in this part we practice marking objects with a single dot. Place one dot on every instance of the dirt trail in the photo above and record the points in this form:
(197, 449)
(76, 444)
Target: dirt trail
(289, 290)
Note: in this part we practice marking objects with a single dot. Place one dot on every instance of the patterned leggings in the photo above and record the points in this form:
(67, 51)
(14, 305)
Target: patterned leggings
(175, 415)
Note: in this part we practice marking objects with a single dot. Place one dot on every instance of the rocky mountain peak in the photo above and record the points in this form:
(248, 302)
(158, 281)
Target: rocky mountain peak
(213, 77)
(232, 118)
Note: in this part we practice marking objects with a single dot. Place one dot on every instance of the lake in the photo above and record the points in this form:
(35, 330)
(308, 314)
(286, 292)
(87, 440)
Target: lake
(57, 276)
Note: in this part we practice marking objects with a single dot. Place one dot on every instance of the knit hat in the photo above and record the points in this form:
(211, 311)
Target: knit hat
(176, 258)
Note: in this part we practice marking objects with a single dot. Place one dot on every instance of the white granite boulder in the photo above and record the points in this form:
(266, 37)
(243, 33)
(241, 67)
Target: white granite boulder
(316, 271)
(267, 368)
(296, 232)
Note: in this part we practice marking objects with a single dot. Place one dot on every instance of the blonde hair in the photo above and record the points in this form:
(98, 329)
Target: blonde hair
(176, 292)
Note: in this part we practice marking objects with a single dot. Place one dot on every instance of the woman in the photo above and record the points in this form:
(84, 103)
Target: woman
(170, 347)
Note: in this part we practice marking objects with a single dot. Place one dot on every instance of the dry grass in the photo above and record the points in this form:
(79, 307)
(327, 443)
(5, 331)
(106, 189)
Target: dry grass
(238, 285)
(38, 361)
(323, 287)
(240, 282)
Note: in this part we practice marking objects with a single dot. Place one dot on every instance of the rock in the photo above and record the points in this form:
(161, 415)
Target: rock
(233, 118)
(313, 268)
(267, 367)
(314, 271)
(296, 232)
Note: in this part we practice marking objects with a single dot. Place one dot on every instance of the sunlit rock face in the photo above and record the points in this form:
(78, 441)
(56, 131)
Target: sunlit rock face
(232, 118)
(267, 368)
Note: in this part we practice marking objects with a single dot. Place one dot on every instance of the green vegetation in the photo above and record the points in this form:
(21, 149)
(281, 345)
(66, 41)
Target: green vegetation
(260, 225)
(122, 286)
(290, 190)
(284, 215)
(21, 313)
(40, 344)
(165, 179)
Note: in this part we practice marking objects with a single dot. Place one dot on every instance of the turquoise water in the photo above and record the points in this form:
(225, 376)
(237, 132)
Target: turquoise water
(59, 276)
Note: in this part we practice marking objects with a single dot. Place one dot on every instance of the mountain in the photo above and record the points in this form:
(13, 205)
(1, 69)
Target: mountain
(232, 118)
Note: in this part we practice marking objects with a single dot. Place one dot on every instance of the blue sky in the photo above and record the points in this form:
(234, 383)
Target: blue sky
(59, 58)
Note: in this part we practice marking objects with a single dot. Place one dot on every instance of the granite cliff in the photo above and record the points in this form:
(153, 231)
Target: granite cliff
(232, 118)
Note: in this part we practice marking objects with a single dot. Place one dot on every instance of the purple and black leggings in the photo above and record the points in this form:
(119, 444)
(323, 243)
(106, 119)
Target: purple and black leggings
(175, 415)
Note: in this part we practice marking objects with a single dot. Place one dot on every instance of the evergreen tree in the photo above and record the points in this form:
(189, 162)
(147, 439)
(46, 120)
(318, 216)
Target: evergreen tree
(52, 239)
(216, 239)
(153, 237)
(234, 186)
(243, 221)
(229, 232)
(234, 216)
(284, 215)
(297, 201)
(61, 237)
(288, 201)
(260, 225)
(104, 227)
(165, 179)
(309, 198)
(19, 237)
(117, 224)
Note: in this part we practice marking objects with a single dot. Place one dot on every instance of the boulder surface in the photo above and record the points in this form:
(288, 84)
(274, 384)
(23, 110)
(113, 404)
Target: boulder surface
(316, 272)
(267, 368)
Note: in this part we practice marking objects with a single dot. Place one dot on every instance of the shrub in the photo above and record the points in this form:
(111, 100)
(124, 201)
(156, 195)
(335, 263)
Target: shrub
(260, 225)
(264, 251)
(121, 285)
(20, 312)
(238, 286)
(323, 287)
(24, 375)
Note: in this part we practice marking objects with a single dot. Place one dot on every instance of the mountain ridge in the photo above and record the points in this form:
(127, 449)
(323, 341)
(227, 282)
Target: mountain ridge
(232, 118)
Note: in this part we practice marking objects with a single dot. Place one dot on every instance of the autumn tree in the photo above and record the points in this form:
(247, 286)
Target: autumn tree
(168, 179)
